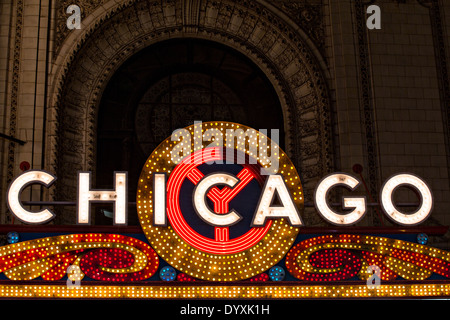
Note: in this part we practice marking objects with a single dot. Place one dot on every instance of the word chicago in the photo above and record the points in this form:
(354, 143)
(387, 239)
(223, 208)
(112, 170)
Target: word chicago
(354, 207)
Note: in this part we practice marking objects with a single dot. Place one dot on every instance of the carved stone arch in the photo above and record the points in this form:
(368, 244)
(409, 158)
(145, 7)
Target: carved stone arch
(246, 26)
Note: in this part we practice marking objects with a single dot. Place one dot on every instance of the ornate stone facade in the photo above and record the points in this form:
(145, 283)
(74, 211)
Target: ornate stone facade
(248, 27)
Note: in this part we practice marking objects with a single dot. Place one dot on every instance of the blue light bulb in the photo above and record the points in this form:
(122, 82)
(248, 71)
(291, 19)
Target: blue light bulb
(168, 274)
(12, 237)
(422, 238)
(277, 273)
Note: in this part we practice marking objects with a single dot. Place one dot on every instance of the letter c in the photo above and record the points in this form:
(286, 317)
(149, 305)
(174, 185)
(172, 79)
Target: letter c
(15, 189)
(200, 191)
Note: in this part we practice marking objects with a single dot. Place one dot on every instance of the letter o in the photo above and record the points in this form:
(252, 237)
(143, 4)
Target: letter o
(406, 179)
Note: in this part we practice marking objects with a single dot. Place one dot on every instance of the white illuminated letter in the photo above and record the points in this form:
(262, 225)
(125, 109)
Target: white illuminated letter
(118, 196)
(16, 187)
(201, 207)
(405, 179)
(275, 183)
(320, 200)
(159, 199)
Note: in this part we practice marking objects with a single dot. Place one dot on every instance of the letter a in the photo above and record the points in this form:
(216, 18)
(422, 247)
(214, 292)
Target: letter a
(374, 21)
(74, 21)
(287, 209)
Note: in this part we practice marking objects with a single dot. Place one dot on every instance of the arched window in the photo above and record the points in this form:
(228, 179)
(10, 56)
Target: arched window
(167, 86)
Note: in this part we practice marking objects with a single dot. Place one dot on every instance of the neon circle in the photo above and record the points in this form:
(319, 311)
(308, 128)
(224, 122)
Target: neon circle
(249, 254)
(244, 242)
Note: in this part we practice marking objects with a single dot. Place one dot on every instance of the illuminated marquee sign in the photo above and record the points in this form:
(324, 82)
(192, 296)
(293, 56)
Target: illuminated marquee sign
(261, 169)
(220, 201)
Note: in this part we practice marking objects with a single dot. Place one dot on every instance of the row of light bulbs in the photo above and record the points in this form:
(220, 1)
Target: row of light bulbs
(242, 291)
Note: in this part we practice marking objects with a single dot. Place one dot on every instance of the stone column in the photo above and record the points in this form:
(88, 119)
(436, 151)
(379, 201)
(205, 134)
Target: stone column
(23, 86)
